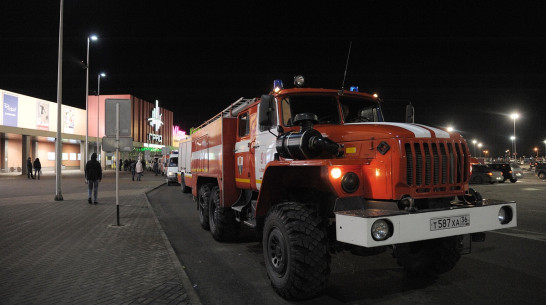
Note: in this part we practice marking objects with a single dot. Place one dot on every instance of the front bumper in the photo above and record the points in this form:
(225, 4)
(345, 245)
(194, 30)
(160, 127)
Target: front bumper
(355, 226)
(172, 177)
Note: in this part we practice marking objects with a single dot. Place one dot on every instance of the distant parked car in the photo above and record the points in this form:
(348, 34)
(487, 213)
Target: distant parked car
(510, 171)
(517, 170)
(484, 174)
(540, 170)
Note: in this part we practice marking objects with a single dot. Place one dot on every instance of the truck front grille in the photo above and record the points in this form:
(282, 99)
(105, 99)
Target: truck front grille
(436, 164)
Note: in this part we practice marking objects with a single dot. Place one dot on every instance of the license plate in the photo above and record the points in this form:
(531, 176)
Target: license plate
(443, 223)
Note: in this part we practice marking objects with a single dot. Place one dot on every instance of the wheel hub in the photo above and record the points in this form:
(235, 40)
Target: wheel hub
(277, 251)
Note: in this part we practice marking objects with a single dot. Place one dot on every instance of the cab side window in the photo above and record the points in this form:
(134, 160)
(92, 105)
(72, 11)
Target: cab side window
(244, 124)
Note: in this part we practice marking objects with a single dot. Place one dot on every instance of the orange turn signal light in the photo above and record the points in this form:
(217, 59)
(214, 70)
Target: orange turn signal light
(335, 172)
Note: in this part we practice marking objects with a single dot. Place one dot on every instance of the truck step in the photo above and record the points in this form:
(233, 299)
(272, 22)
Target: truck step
(251, 222)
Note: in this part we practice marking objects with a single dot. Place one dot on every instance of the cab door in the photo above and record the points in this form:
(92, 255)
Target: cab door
(242, 151)
(264, 147)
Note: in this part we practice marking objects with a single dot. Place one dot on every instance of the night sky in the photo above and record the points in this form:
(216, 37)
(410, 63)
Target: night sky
(467, 65)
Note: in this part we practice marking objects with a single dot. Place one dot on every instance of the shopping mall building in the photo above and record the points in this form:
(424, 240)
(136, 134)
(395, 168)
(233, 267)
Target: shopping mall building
(28, 128)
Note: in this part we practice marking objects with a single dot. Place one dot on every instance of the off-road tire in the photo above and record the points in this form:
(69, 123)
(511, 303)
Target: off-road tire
(183, 187)
(222, 222)
(429, 258)
(295, 248)
(542, 175)
(203, 201)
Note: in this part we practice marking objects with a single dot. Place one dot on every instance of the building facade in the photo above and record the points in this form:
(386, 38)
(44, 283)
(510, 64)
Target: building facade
(28, 128)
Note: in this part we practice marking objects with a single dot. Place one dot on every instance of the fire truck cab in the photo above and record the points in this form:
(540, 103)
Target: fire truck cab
(318, 171)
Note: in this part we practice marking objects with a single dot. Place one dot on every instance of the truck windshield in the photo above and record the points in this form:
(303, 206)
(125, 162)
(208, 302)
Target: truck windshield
(324, 106)
(173, 162)
(359, 110)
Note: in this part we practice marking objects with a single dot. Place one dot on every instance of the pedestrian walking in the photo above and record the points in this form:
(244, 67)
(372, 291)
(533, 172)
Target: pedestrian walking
(37, 168)
(29, 168)
(156, 167)
(93, 175)
(139, 169)
(133, 168)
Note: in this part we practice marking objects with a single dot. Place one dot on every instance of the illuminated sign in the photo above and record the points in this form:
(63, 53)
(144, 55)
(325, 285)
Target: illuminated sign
(155, 137)
(155, 120)
(177, 133)
(11, 104)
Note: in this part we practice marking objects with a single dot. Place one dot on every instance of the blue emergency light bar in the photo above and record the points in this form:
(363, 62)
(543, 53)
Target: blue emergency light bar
(353, 89)
(277, 85)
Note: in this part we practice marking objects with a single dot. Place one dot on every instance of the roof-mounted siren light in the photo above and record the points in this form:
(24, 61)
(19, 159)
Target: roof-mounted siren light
(299, 80)
(353, 89)
(277, 85)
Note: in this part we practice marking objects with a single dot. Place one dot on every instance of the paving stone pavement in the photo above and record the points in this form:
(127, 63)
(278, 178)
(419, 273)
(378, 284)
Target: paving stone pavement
(70, 252)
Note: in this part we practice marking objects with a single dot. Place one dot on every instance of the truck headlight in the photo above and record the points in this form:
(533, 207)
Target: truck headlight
(505, 215)
(350, 182)
(381, 229)
(170, 174)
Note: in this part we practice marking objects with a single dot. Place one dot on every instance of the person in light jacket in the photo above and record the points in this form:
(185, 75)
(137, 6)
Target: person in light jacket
(139, 169)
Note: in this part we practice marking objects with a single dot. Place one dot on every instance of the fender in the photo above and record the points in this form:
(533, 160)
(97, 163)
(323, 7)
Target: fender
(282, 176)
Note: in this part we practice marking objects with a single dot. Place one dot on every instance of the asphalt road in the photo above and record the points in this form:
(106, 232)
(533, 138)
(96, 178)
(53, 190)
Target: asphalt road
(508, 268)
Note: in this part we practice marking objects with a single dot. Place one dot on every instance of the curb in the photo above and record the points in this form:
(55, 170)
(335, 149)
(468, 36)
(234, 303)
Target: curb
(185, 280)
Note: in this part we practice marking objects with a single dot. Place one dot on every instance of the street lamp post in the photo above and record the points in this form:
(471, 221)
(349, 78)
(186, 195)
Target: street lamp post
(58, 142)
(480, 148)
(513, 138)
(98, 107)
(514, 116)
(474, 142)
(89, 38)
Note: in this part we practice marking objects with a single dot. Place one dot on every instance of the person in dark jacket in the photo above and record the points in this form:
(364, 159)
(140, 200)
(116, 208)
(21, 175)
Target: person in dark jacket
(93, 175)
(133, 168)
(29, 168)
(37, 168)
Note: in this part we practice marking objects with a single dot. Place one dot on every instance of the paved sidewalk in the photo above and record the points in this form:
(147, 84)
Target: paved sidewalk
(70, 252)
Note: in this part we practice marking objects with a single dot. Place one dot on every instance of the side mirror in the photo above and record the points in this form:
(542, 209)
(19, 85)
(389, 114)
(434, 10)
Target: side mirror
(410, 114)
(267, 111)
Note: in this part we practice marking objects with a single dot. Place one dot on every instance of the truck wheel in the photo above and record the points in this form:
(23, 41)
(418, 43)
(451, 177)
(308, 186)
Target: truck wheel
(296, 250)
(429, 258)
(542, 175)
(222, 222)
(183, 187)
(203, 200)
(513, 180)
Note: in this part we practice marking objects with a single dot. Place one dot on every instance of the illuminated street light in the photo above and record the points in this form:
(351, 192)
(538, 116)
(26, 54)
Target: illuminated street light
(474, 142)
(89, 38)
(450, 128)
(480, 148)
(536, 150)
(515, 116)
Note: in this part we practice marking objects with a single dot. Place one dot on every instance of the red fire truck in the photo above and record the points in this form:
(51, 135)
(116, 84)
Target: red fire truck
(319, 171)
